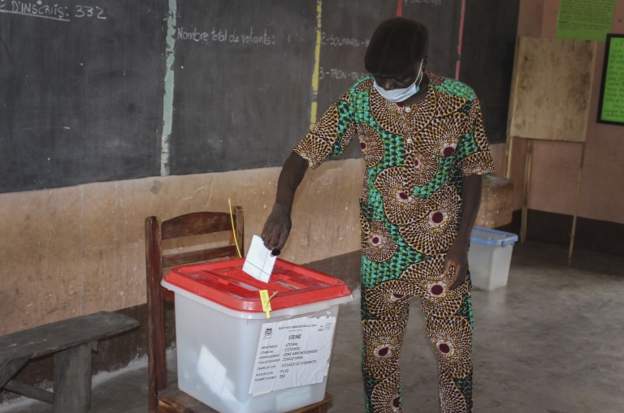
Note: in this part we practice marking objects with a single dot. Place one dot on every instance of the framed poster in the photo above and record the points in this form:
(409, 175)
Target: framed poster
(611, 104)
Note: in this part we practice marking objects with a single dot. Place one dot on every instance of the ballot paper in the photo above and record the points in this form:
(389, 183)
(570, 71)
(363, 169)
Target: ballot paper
(259, 261)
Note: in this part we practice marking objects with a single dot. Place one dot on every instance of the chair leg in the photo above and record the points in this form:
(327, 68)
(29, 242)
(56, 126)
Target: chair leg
(156, 361)
(156, 365)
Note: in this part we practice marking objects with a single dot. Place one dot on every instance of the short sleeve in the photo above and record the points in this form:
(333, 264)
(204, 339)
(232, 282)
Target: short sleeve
(474, 156)
(330, 135)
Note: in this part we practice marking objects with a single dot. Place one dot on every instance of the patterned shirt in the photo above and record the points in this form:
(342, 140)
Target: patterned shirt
(416, 156)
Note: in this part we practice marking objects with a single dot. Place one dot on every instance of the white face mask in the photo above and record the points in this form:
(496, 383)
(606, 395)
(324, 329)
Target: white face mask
(399, 95)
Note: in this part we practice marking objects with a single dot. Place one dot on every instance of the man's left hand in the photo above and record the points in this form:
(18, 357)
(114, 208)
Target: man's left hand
(456, 266)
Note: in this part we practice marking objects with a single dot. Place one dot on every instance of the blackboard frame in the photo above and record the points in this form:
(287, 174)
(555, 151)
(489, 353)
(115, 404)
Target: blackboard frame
(610, 37)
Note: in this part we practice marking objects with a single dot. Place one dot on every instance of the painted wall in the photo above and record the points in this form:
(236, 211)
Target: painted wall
(80, 249)
(553, 179)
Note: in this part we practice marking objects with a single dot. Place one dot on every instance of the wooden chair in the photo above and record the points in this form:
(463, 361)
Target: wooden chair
(161, 396)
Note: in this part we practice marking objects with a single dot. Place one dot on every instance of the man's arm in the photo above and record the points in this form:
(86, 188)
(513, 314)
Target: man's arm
(278, 224)
(457, 257)
(329, 136)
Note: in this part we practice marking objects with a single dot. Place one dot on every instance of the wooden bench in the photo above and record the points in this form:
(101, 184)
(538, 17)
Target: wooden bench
(71, 342)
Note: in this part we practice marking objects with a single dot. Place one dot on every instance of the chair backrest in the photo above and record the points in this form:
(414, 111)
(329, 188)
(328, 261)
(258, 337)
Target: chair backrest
(158, 260)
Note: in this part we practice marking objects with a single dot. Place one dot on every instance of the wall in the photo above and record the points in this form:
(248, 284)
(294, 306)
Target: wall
(553, 181)
(78, 250)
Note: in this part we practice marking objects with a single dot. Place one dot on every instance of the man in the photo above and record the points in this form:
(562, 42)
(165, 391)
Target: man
(425, 149)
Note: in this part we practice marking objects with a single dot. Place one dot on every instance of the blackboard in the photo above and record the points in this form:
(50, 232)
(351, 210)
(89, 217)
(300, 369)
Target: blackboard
(488, 58)
(442, 18)
(244, 105)
(83, 82)
(242, 82)
(80, 91)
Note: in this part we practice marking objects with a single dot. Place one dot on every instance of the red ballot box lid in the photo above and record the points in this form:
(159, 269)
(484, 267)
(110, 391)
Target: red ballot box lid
(225, 283)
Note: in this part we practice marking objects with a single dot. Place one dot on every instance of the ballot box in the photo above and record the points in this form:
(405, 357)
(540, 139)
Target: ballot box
(489, 257)
(236, 356)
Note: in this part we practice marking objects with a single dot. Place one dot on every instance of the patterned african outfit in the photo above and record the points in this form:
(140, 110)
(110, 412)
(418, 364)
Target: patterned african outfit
(410, 211)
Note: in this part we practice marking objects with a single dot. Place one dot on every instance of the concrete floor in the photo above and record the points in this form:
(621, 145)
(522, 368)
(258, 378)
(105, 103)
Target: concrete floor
(550, 342)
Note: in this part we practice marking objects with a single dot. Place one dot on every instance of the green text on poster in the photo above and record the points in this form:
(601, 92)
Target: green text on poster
(585, 19)
(613, 87)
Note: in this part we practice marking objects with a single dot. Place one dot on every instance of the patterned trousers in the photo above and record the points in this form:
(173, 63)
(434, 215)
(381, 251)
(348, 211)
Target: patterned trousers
(449, 324)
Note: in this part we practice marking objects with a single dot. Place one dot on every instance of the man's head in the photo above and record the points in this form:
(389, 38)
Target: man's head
(396, 51)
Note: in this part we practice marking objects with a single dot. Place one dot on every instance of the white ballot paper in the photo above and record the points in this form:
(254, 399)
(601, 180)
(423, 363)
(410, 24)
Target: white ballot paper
(291, 353)
(259, 261)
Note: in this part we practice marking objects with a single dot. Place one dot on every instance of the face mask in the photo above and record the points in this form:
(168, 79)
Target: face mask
(399, 95)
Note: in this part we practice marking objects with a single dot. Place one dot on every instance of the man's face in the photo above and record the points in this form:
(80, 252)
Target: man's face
(400, 81)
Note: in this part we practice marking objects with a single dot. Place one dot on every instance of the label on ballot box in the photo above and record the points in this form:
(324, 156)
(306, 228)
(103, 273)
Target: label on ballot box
(293, 352)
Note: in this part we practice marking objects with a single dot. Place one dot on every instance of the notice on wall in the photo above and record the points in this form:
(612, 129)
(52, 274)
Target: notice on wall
(585, 19)
(292, 353)
(612, 94)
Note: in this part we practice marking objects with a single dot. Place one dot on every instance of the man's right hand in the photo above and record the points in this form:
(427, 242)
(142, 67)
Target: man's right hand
(277, 228)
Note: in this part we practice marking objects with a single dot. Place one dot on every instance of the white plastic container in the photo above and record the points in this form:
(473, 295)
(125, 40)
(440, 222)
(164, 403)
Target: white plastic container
(217, 346)
(489, 257)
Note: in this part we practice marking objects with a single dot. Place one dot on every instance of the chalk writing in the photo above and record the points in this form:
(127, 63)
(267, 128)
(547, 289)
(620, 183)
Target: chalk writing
(36, 9)
(55, 11)
(328, 39)
(220, 35)
(427, 2)
(339, 74)
(96, 12)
